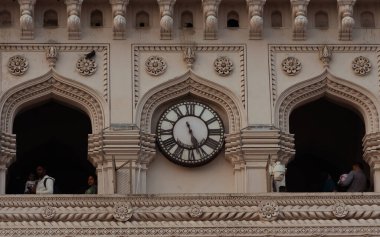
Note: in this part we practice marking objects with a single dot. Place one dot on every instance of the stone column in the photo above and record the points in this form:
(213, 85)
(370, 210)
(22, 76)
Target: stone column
(119, 9)
(210, 14)
(7, 156)
(145, 157)
(73, 18)
(371, 145)
(346, 20)
(255, 13)
(166, 22)
(299, 16)
(26, 18)
(234, 156)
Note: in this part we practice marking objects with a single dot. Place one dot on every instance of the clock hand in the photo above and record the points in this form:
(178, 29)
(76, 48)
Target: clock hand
(194, 141)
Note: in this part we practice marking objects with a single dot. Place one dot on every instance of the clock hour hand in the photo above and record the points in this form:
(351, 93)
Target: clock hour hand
(194, 141)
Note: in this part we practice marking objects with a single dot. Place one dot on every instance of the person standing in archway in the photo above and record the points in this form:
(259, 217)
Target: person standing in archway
(45, 184)
(355, 180)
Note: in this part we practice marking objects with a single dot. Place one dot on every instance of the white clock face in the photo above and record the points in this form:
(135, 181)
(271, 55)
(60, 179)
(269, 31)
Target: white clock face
(190, 133)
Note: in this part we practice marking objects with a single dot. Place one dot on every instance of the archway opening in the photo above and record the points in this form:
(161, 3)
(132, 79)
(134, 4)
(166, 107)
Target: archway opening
(328, 140)
(56, 136)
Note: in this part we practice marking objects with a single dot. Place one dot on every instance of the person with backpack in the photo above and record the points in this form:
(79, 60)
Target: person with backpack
(45, 184)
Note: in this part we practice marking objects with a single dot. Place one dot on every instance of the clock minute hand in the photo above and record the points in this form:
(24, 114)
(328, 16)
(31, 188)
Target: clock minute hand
(194, 141)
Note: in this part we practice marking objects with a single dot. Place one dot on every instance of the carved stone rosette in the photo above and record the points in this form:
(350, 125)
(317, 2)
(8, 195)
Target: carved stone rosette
(18, 65)
(223, 66)
(122, 212)
(339, 210)
(86, 67)
(155, 65)
(291, 66)
(361, 66)
(195, 211)
(48, 212)
(268, 210)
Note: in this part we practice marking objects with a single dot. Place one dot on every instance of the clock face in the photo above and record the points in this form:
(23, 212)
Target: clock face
(190, 133)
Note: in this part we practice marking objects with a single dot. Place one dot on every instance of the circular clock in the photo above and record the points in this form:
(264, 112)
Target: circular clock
(190, 133)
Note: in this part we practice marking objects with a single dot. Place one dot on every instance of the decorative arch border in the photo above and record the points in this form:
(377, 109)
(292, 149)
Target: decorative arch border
(52, 85)
(190, 83)
(327, 84)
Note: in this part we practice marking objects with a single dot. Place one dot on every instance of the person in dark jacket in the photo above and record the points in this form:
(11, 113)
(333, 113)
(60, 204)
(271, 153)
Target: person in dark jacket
(355, 180)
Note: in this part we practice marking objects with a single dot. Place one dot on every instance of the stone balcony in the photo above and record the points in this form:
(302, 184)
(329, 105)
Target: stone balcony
(269, 214)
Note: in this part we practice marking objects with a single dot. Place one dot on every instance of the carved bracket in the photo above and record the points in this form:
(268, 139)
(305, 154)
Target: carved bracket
(119, 9)
(210, 13)
(73, 18)
(26, 18)
(346, 20)
(7, 148)
(299, 15)
(147, 148)
(166, 22)
(255, 11)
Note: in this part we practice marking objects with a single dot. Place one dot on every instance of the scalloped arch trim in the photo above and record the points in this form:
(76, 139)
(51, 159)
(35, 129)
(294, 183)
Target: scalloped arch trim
(51, 85)
(327, 85)
(190, 83)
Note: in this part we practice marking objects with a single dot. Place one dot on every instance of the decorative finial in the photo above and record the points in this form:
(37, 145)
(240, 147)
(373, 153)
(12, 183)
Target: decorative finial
(52, 55)
(325, 55)
(189, 57)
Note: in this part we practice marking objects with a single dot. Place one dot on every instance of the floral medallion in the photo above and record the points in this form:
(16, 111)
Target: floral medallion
(268, 210)
(155, 65)
(291, 66)
(195, 211)
(339, 209)
(223, 66)
(361, 66)
(48, 212)
(123, 212)
(86, 67)
(18, 65)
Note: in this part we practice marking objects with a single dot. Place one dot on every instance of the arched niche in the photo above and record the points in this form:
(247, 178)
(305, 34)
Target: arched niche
(367, 19)
(142, 19)
(339, 90)
(50, 18)
(233, 19)
(187, 19)
(276, 19)
(5, 18)
(51, 86)
(194, 86)
(321, 20)
(96, 18)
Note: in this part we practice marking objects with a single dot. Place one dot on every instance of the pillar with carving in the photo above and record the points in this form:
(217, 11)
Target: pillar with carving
(234, 155)
(346, 20)
(26, 18)
(73, 18)
(119, 10)
(371, 145)
(210, 14)
(299, 16)
(166, 22)
(255, 12)
(7, 156)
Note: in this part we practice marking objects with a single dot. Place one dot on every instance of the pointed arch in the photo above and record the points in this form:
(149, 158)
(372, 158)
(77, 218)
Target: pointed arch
(52, 85)
(190, 83)
(335, 88)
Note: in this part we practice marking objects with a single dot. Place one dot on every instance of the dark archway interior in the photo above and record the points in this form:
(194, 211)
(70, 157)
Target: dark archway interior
(55, 136)
(328, 140)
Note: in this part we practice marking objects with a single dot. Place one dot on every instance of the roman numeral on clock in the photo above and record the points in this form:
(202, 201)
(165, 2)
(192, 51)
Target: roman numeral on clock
(213, 132)
(178, 112)
(210, 121)
(190, 109)
(178, 152)
(169, 143)
(211, 143)
(166, 132)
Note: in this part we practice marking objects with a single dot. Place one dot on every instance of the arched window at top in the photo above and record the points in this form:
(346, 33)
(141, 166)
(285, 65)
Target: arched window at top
(232, 19)
(50, 18)
(367, 20)
(96, 18)
(142, 19)
(321, 20)
(5, 18)
(276, 19)
(187, 19)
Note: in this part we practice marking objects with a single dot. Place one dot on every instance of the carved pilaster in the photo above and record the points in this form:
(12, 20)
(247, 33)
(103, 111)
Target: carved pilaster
(371, 145)
(7, 155)
(26, 18)
(73, 18)
(345, 17)
(166, 22)
(255, 12)
(146, 154)
(210, 14)
(233, 153)
(299, 16)
(119, 9)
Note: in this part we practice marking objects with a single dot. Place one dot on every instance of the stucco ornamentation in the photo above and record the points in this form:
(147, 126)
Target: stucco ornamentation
(195, 211)
(268, 210)
(48, 212)
(18, 65)
(325, 55)
(86, 67)
(340, 209)
(52, 55)
(155, 65)
(223, 66)
(189, 56)
(361, 66)
(122, 211)
(291, 66)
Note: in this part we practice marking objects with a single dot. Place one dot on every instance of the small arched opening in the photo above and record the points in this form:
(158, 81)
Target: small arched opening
(187, 20)
(5, 18)
(96, 18)
(328, 141)
(55, 135)
(50, 18)
(233, 20)
(276, 19)
(367, 20)
(321, 20)
(142, 19)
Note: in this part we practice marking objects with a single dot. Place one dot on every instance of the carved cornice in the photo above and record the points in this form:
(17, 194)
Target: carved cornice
(137, 49)
(278, 214)
(101, 49)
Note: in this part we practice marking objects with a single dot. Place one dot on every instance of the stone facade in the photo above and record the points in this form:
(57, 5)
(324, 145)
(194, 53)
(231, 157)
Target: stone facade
(124, 62)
